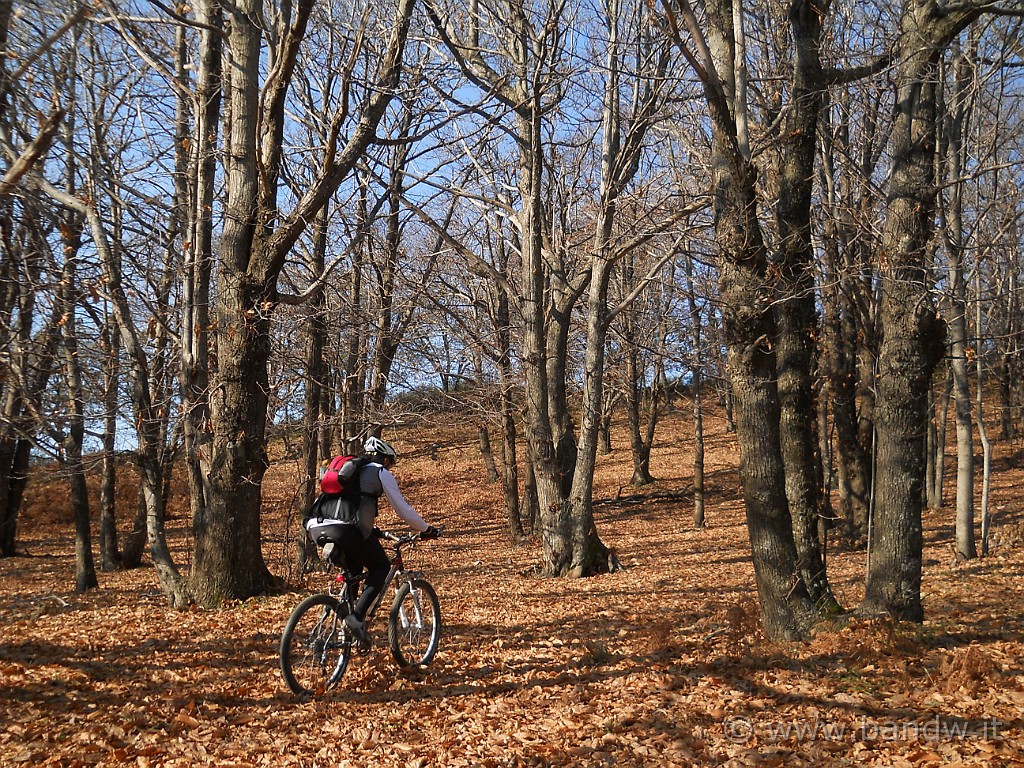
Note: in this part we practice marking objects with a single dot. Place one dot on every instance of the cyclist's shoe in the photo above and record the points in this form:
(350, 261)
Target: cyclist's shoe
(358, 628)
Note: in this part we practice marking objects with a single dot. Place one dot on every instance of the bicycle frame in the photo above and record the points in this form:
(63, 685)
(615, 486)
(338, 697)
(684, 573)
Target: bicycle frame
(397, 575)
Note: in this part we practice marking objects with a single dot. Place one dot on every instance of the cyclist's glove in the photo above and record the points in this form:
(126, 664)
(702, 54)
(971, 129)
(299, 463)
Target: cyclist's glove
(430, 533)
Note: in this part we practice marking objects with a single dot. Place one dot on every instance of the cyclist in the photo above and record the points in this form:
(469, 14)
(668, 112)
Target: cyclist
(359, 544)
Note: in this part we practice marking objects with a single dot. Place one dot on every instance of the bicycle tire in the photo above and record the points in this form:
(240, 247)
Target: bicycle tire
(315, 646)
(414, 625)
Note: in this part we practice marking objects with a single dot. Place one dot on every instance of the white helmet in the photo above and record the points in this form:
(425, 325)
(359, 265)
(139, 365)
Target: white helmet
(374, 445)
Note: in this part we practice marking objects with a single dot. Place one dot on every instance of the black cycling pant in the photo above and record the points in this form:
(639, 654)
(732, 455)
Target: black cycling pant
(364, 553)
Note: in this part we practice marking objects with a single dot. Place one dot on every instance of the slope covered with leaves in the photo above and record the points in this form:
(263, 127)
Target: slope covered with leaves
(661, 663)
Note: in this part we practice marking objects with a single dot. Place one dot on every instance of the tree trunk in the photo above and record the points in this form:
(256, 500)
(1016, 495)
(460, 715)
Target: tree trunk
(937, 443)
(956, 120)
(553, 524)
(796, 315)
(135, 539)
(640, 450)
(589, 553)
(1009, 368)
(786, 606)
(506, 384)
(110, 556)
(17, 448)
(605, 446)
(986, 444)
(74, 439)
(228, 560)
(487, 452)
(510, 479)
(913, 335)
(305, 550)
(853, 465)
(696, 386)
(561, 300)
(194, 373)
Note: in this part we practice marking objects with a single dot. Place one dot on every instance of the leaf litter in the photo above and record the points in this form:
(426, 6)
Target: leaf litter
(662, 663)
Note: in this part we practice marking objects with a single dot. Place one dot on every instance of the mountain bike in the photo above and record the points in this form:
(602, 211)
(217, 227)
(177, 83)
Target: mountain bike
(316, 645)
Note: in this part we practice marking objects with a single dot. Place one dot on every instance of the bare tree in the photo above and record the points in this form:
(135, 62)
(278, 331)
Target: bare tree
(256, 239)
(913, 335)
(796, 314)
(954, 127)
(788, 610)
(697, 386)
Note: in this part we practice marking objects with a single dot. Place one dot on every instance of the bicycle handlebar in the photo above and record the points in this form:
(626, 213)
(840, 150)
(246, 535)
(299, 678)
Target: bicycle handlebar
(408, 538)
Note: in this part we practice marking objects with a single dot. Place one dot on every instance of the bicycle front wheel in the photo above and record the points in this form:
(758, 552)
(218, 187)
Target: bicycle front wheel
(315, 646)
(414, 626)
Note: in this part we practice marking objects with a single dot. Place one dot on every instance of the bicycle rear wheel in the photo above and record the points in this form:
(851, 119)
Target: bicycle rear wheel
(414, 626)
(315, 646)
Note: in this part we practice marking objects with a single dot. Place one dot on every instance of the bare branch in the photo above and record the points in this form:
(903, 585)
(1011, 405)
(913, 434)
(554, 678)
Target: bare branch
(35, 151)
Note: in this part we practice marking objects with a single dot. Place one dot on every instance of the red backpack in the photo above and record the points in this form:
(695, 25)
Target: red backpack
(340, 493)
(341, 478)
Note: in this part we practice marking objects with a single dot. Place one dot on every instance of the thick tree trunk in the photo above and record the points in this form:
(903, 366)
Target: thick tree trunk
(552, 523)
(913, 335)
(8, 512)
(16, 481)
(228, 561)
(135, 538)
(796, 314)
(786, 606)
(256, 240)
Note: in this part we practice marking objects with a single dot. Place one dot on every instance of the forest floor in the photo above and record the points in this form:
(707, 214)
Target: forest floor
(660, 664)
